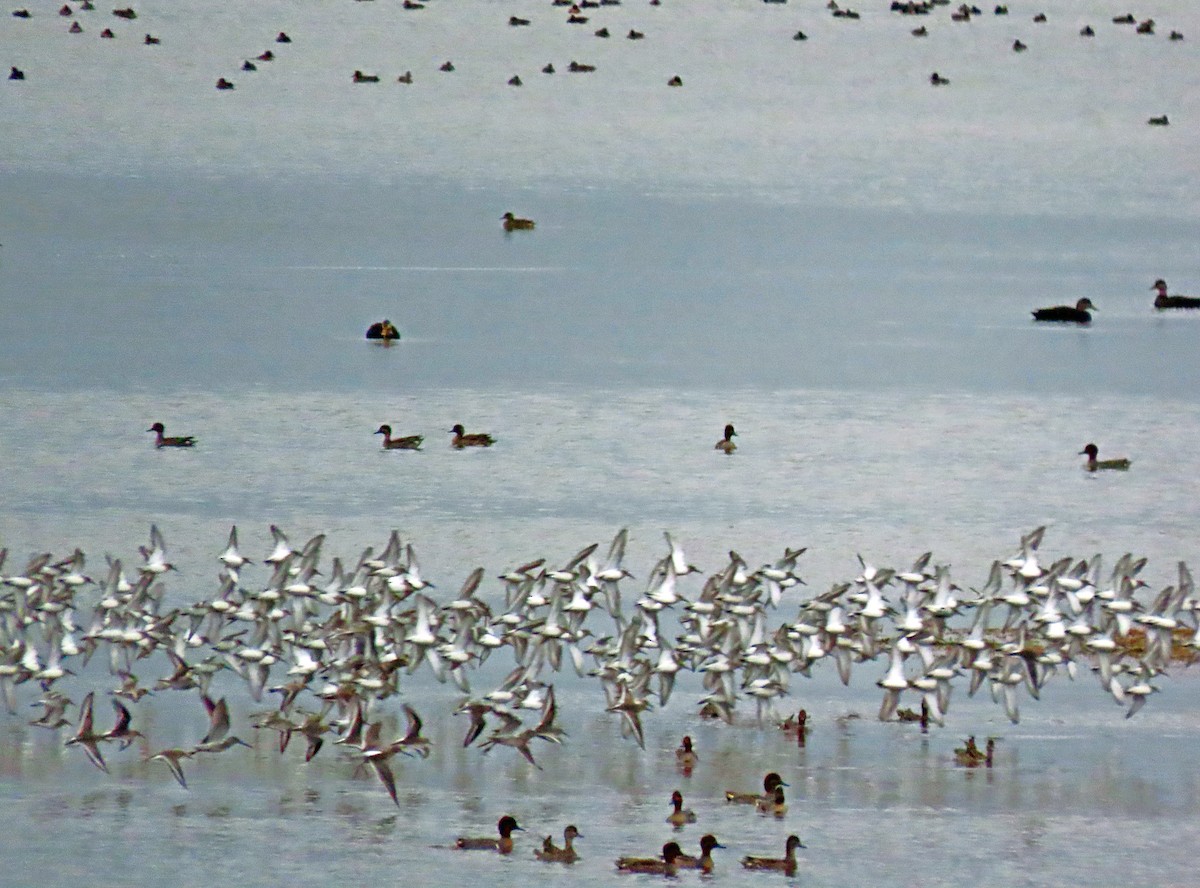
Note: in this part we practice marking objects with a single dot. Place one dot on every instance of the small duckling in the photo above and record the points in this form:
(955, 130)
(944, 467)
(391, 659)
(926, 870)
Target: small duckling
(477, 439)
(506, 825)
(704, 862)
(160, 440)
(770, 782)
(679, 817)
(1092, 451)
(685, 756)
(551, 853)
(667, 866)
(776, 805)
(785, 864)
(726, 445)
(516, 223)
(408, 442)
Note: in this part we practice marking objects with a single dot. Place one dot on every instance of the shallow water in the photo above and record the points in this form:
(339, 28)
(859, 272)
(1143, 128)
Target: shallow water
(840, 262)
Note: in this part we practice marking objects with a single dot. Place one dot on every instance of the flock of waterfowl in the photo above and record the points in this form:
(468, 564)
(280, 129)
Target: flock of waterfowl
(584, 13)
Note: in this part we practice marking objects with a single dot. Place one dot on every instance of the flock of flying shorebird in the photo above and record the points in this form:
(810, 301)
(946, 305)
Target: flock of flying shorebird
(333, 645)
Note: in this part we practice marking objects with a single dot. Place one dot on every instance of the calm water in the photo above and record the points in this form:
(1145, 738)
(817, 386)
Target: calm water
(850, 289)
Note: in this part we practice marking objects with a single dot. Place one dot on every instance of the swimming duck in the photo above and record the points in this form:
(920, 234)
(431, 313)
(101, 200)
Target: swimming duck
(704, 862)
(634, 35)
(360, 77)
(1176, 35)
(799, 36)
(1018, 46)
(1092, 464)
(126, 13)
(75, 28)
(603, 33)
(970, 756)
(384, 330)
(151, 40)
(516, 223)
(160, 440)
(770, 782)
(107, 34)
(1066, 314)
(785, 864)
(515, 80)
(776, 804)
(679, 818)
(685, 756)
(506, 825)
(675, 81)
(666, 866)
(283, 38)
(515, 22)
(1159, 121)
(549, 69)
(249, 66)
(447, 66)
(409, 442)
(267, 56)
(937, 79)
(477, 439)
(222, 83)
(1162, 300)
(1087, 31)
(726, 445)
(551, 853)
(21, 13)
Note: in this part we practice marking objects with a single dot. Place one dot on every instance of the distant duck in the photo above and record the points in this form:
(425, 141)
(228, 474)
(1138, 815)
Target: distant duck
(1159, 121)
(666, 866)
(1162, 300)
(937, 79)
(1066, 314)
(685, 756)
(549, 69)
(126, 13)
(920, 32)
(1001, 10)
(1040, 18)
(970, 756)
(406, 77)
(1018, 46)
(21, 13)
(551, 853)
(222, 83)
(384, 330)
(75, 28)
(785, 864)
(515, 22)
(504, 844)
(160, 440)
(634, 35)
(447, 66)
(151, 40)
(516, 223)
(1146, 27)
(726, 445)
(267, 56)
(1176, 35)
(283, 38)
(461, 439)
(412, 4)
(580, 68)
(799, 35)
(249, 66)
(603, 32)
(360, 77)
(679, 817)
(107, 34)
(1086, 31)
(675, 81)
(1093, 464)
(409, 442)
(515, 80)
(66, 10)
(1126, 19)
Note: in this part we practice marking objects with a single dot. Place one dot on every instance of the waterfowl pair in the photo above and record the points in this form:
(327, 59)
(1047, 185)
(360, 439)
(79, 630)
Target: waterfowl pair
(161, 440)
(1066, 314)
(1162, 300)
(409, 442)
(506, 826)
(551, 853)
(1091, 451)
(477, 439)
(785, 864)
(515, 223)
(726, 445)
(771, 782)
